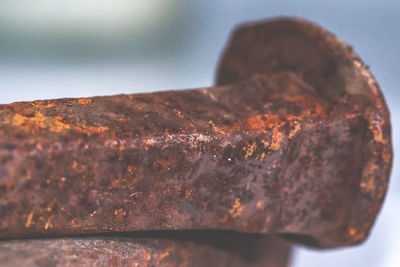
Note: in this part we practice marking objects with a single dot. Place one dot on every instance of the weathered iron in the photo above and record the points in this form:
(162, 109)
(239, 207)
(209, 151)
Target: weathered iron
(183, 249)
(294, 140)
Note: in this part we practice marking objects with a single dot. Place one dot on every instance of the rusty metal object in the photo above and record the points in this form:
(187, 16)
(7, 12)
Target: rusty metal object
(176, 249)
(295, 140)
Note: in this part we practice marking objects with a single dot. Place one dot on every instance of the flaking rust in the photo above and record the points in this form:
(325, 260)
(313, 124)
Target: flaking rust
(294, 140)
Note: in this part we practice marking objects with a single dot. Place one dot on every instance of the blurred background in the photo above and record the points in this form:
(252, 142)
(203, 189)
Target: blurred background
(76, 48)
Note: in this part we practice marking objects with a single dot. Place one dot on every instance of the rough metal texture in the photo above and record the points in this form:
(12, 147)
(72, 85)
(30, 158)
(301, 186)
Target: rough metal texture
(295, 141)
(219, 249)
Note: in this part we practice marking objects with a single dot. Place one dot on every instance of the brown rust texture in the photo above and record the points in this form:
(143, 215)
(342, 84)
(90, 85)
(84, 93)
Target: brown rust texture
(295, 140)
(210, 249)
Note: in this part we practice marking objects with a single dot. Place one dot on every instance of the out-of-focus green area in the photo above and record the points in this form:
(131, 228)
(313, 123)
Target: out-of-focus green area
(92, 30)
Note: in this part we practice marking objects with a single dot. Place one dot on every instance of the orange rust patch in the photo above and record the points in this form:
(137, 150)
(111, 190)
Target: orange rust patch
(188, 193)
(54, 124)
(352, 231)
(163, 255)
(311, 106)
(294, 131)
(262, 123)
(257, 123)
(265, 121)
(119, 213)
(250, 150)
(271, 122)
(277, 138)
(216, 128)
(355, 234)
(20, 120)
(29, 220)
(48, 225)
(265, 143)
(262, 156)
(42, 104)
(39, 121)
(90, 130)
(178, 113)
(121, 146)
(236, 209)
(376, 129)
(84, 101)
(369, 185)
(130, 169)
(146, 255)
(74, 164)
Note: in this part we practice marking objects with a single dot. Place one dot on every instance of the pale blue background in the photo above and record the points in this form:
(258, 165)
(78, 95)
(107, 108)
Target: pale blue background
(182, 52)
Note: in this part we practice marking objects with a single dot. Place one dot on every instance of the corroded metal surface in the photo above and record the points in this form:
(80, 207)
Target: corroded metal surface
(337, 75)
(295, 140)
(203, 249)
